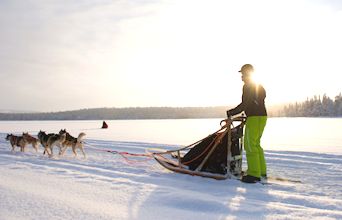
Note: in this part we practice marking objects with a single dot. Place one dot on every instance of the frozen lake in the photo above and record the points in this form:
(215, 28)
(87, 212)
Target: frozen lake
(108, 186)
(321, 135)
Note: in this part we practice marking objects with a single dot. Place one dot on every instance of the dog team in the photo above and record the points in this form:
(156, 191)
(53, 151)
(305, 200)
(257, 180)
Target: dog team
(62, 140)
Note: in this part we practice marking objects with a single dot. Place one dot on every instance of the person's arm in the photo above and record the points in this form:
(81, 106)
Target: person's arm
(246, 96)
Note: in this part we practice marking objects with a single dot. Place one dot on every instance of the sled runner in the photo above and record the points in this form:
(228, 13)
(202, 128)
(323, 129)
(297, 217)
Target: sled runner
(217, 156)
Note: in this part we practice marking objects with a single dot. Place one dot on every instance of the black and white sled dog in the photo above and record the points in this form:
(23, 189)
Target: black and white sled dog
(50, 140)
(72, 142)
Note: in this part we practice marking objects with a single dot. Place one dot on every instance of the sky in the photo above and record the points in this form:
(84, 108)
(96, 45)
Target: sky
(64, 55)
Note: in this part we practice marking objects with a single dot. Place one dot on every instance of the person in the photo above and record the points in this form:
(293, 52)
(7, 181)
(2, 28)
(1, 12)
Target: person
(253, 104)
(104, 125)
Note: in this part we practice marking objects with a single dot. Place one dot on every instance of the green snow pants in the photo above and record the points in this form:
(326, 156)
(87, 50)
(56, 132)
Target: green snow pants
(255, 154)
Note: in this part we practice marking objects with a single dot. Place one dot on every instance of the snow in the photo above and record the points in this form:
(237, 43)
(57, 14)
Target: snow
(106, 186)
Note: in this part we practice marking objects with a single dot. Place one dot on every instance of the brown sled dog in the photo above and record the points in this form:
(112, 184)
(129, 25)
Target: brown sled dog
(72, 142)
(18, 141)
(31, 140)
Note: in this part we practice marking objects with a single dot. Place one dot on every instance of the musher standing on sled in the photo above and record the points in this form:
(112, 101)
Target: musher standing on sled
(253, 104)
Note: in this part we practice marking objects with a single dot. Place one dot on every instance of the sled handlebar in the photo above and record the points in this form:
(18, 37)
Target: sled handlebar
(230, 120)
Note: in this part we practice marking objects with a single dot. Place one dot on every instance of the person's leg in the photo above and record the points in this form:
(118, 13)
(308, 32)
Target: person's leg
(250, 145)
(262, 123)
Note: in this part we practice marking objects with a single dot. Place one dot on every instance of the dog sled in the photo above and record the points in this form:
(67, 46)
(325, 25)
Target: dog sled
(217, 156)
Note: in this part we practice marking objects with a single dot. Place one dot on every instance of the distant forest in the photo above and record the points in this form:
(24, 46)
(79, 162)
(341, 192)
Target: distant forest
(123, 114)
(314, 107)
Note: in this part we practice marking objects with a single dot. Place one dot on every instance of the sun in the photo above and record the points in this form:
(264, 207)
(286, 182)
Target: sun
(259, 78)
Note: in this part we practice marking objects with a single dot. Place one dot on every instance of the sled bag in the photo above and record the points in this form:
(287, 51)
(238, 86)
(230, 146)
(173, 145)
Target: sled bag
(217, 162)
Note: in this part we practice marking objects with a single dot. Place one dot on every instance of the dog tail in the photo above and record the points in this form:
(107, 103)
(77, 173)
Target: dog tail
(80, 137)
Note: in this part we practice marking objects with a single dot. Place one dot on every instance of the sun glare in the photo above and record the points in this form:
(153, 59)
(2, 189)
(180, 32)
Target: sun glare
(258, 78)
(162, 55)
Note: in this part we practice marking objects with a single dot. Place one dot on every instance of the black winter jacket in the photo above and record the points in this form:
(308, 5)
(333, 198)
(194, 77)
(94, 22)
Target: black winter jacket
(253, 101)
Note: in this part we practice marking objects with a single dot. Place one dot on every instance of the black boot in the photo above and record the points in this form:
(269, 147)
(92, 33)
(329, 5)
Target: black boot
(250, 179)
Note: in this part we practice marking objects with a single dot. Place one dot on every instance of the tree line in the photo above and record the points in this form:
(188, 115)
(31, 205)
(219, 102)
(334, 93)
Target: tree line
(123, 113)
(316, 106)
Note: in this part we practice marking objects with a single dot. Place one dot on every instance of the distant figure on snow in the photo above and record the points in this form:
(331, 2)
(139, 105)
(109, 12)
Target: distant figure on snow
(104, 124)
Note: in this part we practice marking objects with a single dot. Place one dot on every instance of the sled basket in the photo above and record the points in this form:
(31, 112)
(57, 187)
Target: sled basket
(218, 155)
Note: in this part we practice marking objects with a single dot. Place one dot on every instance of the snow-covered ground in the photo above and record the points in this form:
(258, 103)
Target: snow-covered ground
(106, 186)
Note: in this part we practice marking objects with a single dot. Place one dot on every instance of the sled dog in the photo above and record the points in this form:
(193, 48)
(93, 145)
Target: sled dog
(43, 138)
(72, 142)
(55, 140)
(31, 140)
(18, 141)
(50, 140)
